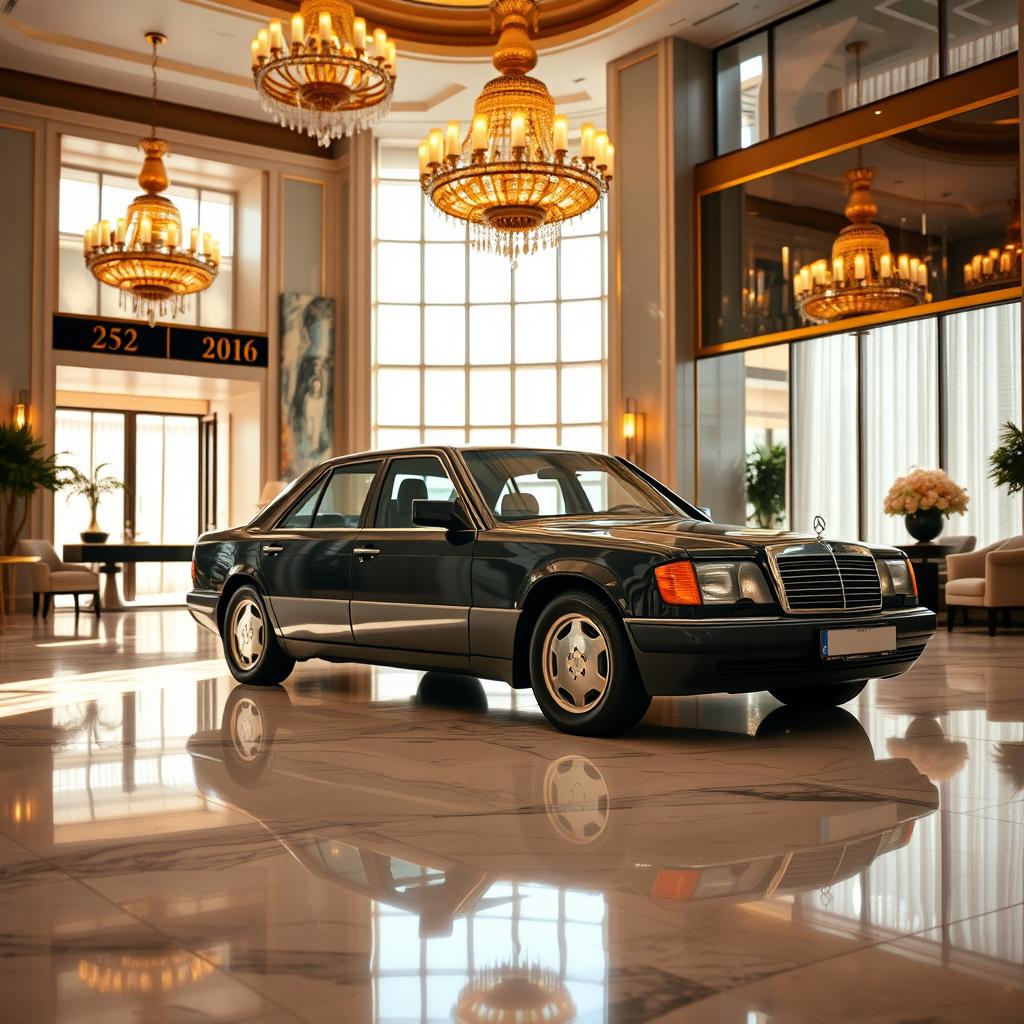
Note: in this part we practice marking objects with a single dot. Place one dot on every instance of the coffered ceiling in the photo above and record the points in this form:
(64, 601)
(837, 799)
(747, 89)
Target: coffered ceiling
(444, 46)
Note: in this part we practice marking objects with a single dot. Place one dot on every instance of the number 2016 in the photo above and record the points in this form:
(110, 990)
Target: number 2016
(229, 350)
(115, 339)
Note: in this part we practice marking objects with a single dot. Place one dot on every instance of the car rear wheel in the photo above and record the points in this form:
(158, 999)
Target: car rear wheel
(252, 651)
(822, 695)
(582, 668)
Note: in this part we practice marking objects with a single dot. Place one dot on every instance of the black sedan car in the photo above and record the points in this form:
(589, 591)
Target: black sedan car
(574, 573)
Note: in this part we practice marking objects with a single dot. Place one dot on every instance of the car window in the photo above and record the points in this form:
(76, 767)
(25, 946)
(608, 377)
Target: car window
(408, 480)
(301, 515)
(524, 484)
(341, 506)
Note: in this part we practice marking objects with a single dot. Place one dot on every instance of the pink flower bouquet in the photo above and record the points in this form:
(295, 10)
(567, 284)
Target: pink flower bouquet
(923, 489)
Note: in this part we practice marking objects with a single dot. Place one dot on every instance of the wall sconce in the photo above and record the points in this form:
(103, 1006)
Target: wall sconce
(19, 414)
(633, 432)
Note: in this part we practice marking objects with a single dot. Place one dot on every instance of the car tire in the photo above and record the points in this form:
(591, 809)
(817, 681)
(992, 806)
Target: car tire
(816, 696)
(575, 634)
(251, 648)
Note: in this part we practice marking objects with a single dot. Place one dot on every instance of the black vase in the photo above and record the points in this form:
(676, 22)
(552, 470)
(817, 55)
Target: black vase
(94, 536)
(926, 525)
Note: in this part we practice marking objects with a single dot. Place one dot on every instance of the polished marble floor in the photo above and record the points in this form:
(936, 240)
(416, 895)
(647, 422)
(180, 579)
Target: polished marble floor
(378, 846)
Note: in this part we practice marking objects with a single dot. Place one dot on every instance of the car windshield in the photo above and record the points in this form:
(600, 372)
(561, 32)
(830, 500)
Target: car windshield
(523, 484)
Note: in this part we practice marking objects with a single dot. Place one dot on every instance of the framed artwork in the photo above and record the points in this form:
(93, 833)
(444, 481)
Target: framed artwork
(307, 382)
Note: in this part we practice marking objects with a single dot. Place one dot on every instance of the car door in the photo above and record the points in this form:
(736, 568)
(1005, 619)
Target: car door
(411, 584)
(306, 561)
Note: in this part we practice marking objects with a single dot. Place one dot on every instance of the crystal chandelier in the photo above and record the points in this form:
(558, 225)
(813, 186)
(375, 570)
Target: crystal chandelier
(863, 276)
(998, 266)
(511, 176)
(145, 256)
(325, 83)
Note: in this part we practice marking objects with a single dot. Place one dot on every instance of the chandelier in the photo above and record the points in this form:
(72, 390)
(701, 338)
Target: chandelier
(324, 83)
(998, 266)
(511, 176)
(145, 255)
(863, 276)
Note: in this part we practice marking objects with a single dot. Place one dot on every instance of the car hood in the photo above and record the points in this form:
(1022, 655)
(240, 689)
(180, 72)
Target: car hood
(670, 531)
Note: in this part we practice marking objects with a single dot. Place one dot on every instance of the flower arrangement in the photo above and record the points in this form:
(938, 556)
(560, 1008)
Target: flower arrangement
(924, 489)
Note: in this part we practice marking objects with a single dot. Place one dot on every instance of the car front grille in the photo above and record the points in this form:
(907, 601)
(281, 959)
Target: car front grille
(819, 577)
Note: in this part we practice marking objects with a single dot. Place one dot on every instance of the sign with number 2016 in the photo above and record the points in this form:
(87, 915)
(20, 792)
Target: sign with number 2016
(124, 338)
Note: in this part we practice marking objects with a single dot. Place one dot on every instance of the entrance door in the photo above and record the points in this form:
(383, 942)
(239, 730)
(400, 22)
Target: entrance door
(306, 561)
(411, 584)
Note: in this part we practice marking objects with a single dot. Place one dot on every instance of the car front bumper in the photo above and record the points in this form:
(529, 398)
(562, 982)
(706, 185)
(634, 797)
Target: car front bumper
(686, 656)
(202, 604)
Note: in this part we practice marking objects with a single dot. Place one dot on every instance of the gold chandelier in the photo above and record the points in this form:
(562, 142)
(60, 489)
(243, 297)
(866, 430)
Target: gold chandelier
(511, 176)
(998, 266)
(324, 83)
(145, 255)
(863, 276)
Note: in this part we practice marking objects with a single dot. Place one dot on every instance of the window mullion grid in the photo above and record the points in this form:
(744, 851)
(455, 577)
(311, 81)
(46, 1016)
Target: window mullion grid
(423, 319)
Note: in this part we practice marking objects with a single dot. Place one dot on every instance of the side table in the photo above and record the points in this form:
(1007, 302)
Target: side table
(926, 559)
(5, 561)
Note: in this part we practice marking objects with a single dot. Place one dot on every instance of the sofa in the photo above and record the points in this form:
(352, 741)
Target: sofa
(51, 576)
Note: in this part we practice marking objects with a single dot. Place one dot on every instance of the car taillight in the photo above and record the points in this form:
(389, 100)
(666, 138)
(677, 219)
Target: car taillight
(677, 583)
(195, 575)
(675, 885)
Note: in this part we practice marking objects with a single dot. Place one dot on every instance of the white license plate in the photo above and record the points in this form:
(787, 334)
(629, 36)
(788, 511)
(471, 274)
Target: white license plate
(848, 643)
(858, 823)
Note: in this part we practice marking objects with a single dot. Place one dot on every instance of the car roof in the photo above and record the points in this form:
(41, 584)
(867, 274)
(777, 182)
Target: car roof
(416, 448)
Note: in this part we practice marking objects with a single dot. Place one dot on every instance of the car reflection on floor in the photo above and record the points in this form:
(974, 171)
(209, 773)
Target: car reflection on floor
(801, 805)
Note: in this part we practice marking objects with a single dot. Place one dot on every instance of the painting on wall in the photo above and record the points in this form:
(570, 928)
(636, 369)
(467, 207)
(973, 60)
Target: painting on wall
(307, 382)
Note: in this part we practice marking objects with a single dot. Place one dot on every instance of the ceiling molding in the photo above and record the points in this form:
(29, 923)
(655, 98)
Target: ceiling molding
(422, 106)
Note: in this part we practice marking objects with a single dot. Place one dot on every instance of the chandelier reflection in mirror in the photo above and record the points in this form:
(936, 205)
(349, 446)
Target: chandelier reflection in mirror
(145, 254)
(511, 176)
(324, 82)
(863, 276)
(997, 266)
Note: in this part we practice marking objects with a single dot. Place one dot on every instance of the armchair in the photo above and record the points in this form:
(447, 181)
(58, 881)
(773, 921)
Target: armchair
(52, 576)
(991, 578)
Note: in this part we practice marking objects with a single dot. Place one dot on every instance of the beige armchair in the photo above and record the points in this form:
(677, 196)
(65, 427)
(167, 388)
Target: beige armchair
(52, 576)
(991, 578)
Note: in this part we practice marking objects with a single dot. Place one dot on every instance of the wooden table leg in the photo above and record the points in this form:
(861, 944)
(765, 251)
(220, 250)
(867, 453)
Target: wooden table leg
(2, 567)
(13, 595)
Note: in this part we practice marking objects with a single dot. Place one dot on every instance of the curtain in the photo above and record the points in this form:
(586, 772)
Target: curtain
(900, 416)
(983, 391)
(824, 431)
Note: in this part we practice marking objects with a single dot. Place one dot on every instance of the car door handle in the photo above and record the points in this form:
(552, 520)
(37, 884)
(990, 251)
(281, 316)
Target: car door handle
(366, 552)
(272, 549)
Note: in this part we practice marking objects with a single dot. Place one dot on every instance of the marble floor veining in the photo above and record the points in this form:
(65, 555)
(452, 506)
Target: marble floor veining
(379, 846)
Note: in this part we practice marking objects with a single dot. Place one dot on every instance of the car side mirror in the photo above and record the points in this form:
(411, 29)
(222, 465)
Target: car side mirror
(448, 515)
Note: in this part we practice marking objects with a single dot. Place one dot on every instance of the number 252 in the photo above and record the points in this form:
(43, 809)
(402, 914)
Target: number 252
(115, 339)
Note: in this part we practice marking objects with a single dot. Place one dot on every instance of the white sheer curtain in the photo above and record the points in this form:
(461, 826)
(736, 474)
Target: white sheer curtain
(900, 416)
(824, 432)
(983, 391)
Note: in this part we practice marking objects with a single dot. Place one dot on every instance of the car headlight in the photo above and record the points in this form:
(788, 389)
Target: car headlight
(729, 582)
(896, 576)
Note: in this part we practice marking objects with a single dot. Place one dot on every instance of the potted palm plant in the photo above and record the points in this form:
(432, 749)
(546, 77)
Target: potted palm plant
(23, 471)
(92, 487)
(1007, 461)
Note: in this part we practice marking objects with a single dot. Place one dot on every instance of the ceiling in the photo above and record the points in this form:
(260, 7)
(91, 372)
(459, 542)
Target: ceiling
(443, 47)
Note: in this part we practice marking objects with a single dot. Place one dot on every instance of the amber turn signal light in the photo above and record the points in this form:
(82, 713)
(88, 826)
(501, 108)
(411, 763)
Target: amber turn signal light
(677, 583)
(913, 576)
(678, 886)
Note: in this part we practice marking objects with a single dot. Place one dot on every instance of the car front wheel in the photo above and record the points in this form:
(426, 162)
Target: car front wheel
(582, 668)
(823, 695)
(250, 646)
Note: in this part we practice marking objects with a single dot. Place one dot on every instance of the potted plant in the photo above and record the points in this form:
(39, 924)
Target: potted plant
(924, 497)
(766, 484)
(1007, 461)
(23, 471)
(92, 488)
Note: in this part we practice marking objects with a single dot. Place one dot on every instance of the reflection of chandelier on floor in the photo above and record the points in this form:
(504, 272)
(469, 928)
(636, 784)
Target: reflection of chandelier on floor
(998, 266)
(145, 254)
(511, 176)
(511, 994)
(863, 276)
(325, 83)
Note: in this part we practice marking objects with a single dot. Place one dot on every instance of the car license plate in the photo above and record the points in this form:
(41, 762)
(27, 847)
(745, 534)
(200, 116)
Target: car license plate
(849, 643)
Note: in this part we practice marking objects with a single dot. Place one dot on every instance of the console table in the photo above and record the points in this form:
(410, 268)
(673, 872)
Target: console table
(111, 556)
(926, 559)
